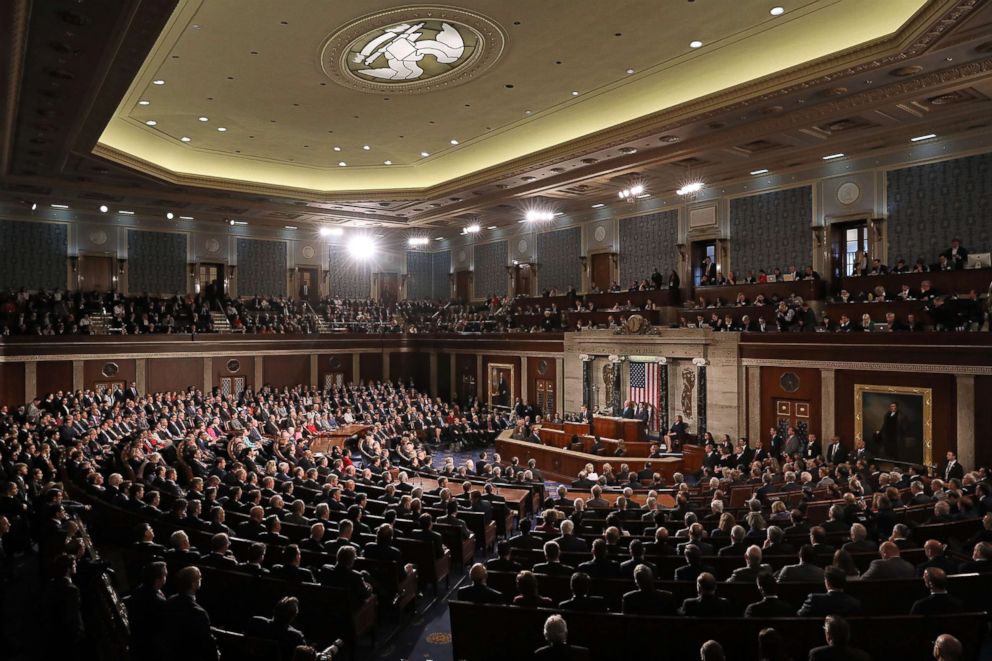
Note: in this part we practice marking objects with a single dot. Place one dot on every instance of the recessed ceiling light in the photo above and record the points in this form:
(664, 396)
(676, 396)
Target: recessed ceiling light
(630, 71)
(776, 11)
(923, 137)
(151, 122)
(761, 171)
(387, 162)
(221, 129)
(342, 164)
(169, 215)
(644, 197)
(292, 227)
(473, 229)
(185, 217)
(527, 112)
(575, 93)
(203, 119)
(59, 206)
(491, 227)
(424, 154)
(454, 142)
(414, 241)
(832, 156)
(439, 238)
(158, 82)
(598, 205)
(185, 138)
(695, 44)
(34, 206)
(103, 208)
(144, 103)
(337, 149)
(366, 147)
(125, 212)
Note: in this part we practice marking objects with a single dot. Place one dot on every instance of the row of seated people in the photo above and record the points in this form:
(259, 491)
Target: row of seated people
(953, 258)
(710, 276)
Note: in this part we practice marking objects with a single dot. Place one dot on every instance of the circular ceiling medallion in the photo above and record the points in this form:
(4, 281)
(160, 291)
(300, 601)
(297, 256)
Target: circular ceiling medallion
(522, 246)
(848, 193)
(600, 233)
(233, 365)
(789, 382)
(412, 49)
(98, 237)
(212, 245)
(110, 370)
(308, 252)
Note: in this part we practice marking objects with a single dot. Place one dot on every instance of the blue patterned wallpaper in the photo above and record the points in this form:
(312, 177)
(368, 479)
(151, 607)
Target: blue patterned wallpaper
(348, 278)
(156, 262)
(262, 268)
(441, 275)
(771, 230)
(646, 243)
(931, 204)
(33, 255)
(558, 254)
(490, 269)
(419, 274)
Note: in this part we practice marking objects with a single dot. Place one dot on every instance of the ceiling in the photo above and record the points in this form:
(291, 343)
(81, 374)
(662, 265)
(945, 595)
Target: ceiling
(560, 74)
(67, 68)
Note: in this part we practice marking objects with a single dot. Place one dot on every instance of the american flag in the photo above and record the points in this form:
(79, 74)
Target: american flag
(645, 380)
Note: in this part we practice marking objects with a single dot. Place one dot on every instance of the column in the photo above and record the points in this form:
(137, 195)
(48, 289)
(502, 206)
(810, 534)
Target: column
(314, 369)
(700, 363)
(30, 381)
(754, 405)
(481, 387)
(77, 375)
(965, 386)
(141, 374)
(208, 374)
(385, 365)
(615, 386)
(356, 367)
(432, 378)
(524, 390)
(259, 373)
(828, 399)
(663, 395)
(586, 380)
(560, 385)
(452, 378)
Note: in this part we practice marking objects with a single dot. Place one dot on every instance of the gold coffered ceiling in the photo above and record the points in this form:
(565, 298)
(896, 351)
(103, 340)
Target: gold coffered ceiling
(253, 67)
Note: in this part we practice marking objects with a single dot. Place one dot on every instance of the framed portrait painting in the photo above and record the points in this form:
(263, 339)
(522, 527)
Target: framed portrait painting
(501, 385)
(895, 422)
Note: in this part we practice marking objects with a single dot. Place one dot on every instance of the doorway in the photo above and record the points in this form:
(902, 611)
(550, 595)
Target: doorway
(389, 288)
(601, 271)
(308, 285)
(211, 279)
(700, 251)
(462, 282)
(96, 273)
(522, 279)
(848, 241)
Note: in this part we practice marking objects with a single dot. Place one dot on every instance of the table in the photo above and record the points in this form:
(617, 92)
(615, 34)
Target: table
(336, 439)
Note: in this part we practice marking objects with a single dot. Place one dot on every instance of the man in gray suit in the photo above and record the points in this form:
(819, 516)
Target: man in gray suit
(754, 566)
(806, 571)
(890, 565)
(793, 444)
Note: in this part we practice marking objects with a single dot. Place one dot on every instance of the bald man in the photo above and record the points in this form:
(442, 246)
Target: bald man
(479, 592)
(947, 648)
(890, 565)
(939, 602)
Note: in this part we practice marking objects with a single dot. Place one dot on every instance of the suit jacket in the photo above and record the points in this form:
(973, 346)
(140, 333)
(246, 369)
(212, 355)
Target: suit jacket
(145, 611)
(707, 606)
(836, 454)
(830, 653)
(480, 594)
(182, 613)
(553, 569)
(771, 606)
(692, 572)
(558, 652)
(938, 604)
(571, 543)
(585, 604)
(604, 568)
(749, 574)
(952, 471)
(891, 568)
(835, 602)
(649, 602)
(803, 572)
(340, 576)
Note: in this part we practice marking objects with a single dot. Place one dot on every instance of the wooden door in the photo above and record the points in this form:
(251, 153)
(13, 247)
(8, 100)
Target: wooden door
(389, 288)
(462, 282)
(793, 413)
(545, 396)
(308, 285)
(522, 278)
(96, 273)
(602, 271)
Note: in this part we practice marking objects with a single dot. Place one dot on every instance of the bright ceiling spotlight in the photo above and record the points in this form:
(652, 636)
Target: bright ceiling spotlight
(695, 44)
(474, 228)
(761, 171)
(104, 208)
(690, 188)
(415, 241)
(776, 11)
(331, 231)
(361, 247)
(630, 194)
(169, 215)
(538, 216)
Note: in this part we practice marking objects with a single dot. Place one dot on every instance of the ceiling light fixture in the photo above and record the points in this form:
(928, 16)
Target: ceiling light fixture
(342, 164)
(221, 129)
(644, 196)
(424, 154)
(331, 231)
(776, 11)
(830, 157)
(690, 188)
(761, 171)
(415, 241)
(185, 217)
(151, 122)
(169, 215)
(158, 82)
(920, 138)
(361, 247)
(630, 71)
(387, 162)
(695, 44)
(59, 206)
(537, 216)
(474, 228)
(34, 206)
(144, 103)
(234, 222)
(292, 227)
(125, 212)
(491, 227)
(575, 93)
(628, 194)
(598, 205)
(337, 149)
(366, 147)
(185, 138)
(103, 208)
(454, 142)
(203, 119)
(439, 238)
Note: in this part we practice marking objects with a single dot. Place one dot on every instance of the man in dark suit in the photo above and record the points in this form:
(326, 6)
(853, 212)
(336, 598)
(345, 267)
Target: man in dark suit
(558, 649)
(693, 566)
(601, 566)
(890, 565)
(646, 600)
(834, 601)
(183, 614)
(737, 544)
(580, 584)
(752, 568)
(838, 648)
(707, 604)
(770, 605)
(938, 602)
(479, 592)
(805, 571)
(627, 567)
(956, 255)
(279, 627)
(290, 569)
(553, 565)
(935, 552)
(836, 454)
(952, 469)
(585, 415)
(504, 558)
(892, 431)
(981, 560)
(426, 533)
(343, 575)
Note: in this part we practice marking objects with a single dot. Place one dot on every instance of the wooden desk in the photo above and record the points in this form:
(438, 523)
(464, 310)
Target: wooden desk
(516, 498)
(945, 282)
(810, 290)
(630, 430)
(877, 311)
(336, 439)
(560, 439)
(659, 297)
(564, 465)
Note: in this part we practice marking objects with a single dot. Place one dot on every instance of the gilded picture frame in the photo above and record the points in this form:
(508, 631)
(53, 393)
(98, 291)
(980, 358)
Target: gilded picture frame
(896, 441)
(500, 390)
